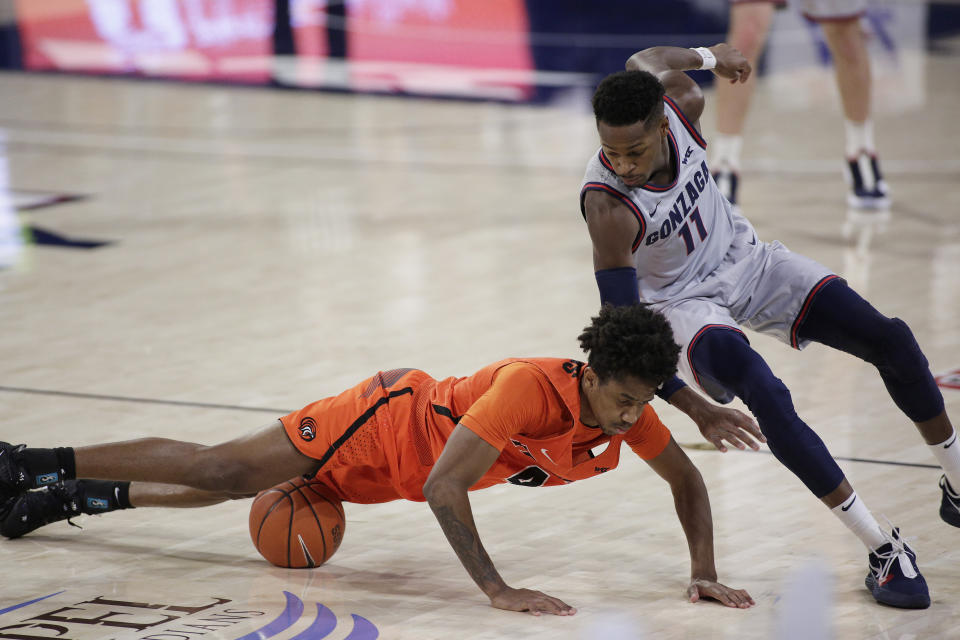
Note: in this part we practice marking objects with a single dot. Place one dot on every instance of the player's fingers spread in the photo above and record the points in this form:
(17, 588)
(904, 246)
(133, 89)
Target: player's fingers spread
(735, 441)
(725, 599)
(745, 437)
(693, 593)
(718, 443)
(554, 606)
(746, 597)
(752, 427)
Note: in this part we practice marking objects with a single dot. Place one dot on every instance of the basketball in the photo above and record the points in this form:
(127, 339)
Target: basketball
(297, 524)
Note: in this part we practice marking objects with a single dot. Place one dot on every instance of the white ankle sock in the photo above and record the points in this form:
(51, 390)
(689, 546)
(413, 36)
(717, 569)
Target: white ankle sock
(859, 137)
(726, 152)
(947, 454)
(856, 517)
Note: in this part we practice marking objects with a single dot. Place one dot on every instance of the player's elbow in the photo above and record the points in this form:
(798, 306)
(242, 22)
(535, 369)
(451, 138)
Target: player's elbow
(645, 60)
(440, 489)
(687, 481)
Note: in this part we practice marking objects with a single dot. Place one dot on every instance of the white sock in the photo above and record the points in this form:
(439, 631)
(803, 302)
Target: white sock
(726, 152)
(860, 521)
(859, 137)
(947, 454)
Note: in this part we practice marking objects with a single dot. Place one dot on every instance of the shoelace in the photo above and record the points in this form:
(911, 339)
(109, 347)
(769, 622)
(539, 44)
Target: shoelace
(897, 546)
(60, 491)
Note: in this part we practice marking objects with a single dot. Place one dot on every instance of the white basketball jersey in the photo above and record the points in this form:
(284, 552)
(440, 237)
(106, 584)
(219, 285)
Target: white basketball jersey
(686, 227)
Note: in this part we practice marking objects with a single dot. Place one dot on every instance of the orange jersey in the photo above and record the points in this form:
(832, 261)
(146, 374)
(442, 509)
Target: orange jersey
(379, 440)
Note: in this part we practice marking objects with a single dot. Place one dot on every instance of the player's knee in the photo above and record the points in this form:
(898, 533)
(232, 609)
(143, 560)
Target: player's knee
(750, 36)
(898, 353)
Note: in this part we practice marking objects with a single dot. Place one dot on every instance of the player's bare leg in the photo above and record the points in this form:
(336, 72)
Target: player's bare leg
(247, 464)
(749, 25)
(155, 494)
(41, 485)
(851, 61)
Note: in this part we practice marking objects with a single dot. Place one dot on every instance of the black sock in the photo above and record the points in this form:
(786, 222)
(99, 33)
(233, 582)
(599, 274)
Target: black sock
(47, 466)
(101, 496)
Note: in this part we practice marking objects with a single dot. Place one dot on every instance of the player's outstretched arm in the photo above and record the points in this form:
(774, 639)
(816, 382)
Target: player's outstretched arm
(670, 63)
(693, 509)
(718, 423)
(465, 458)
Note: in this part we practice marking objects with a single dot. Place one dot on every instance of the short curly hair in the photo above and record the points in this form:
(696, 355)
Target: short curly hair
(627, 97)
(632, 341)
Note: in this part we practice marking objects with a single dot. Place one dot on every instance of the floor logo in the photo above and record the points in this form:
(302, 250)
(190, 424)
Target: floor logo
(321, 627)
(160, 621)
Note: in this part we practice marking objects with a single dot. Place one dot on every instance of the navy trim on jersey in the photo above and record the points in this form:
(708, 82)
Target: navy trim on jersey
(696, 337)
(605, 162)
(686, 123)
(649, 186)
(600, 186)
(794, 340)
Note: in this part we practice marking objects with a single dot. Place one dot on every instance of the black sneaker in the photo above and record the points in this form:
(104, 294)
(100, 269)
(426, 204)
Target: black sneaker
(868, 189)
(13, 477)
(34, 509)
(950, 504)
(894, 578)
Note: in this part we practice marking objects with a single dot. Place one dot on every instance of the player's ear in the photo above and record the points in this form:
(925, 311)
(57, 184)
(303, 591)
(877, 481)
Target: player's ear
(590, 378)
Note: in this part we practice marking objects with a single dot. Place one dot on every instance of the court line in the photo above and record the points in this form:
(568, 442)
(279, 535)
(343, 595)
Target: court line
(27, 603)
(236, 407)
(173, 403)
(697, 446)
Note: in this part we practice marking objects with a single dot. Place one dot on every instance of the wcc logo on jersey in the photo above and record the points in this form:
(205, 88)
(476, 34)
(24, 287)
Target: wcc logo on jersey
(106, 617)
(684, 206)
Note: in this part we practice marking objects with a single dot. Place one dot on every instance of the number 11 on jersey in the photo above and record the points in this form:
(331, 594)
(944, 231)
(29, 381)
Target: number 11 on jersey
(688, 235)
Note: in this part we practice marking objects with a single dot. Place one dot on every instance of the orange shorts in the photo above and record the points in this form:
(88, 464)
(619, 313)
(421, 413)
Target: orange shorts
(365, 439)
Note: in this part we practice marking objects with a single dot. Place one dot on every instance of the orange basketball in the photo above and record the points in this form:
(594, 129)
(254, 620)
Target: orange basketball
(297, 524)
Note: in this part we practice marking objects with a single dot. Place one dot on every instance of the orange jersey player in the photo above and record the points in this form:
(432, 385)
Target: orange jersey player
(402, 434)
(522, 407)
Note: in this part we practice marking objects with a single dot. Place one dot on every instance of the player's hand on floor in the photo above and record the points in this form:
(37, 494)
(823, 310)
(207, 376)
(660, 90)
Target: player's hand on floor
(533, 602)
(701, 588)
(720, 423)
(730, 63)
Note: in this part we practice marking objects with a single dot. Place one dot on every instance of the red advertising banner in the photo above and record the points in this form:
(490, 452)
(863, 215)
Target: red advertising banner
(450, 47)
(228, 39)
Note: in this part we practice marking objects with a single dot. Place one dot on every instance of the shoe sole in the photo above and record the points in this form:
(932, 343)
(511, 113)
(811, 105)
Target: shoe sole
(894, 599)
(950, 516)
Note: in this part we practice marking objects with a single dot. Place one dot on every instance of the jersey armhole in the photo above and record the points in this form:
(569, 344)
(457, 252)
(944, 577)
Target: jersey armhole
(599, 186)
(686, 123)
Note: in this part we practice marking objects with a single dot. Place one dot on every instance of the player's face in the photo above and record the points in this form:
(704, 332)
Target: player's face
(615, 404)
(636, 151)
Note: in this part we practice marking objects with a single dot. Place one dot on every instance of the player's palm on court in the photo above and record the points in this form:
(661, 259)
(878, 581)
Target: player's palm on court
(534, 602)
(723, 594)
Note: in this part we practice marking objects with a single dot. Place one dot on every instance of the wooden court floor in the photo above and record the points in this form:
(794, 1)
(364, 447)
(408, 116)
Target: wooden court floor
(265, 249)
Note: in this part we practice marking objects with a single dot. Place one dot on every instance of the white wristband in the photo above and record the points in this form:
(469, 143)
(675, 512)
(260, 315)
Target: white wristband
(709, 60)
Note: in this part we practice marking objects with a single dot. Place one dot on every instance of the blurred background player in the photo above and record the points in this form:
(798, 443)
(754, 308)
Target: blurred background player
(839, 21)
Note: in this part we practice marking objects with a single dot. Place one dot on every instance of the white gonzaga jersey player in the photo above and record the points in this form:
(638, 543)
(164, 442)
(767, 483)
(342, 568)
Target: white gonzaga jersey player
(687, 227)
